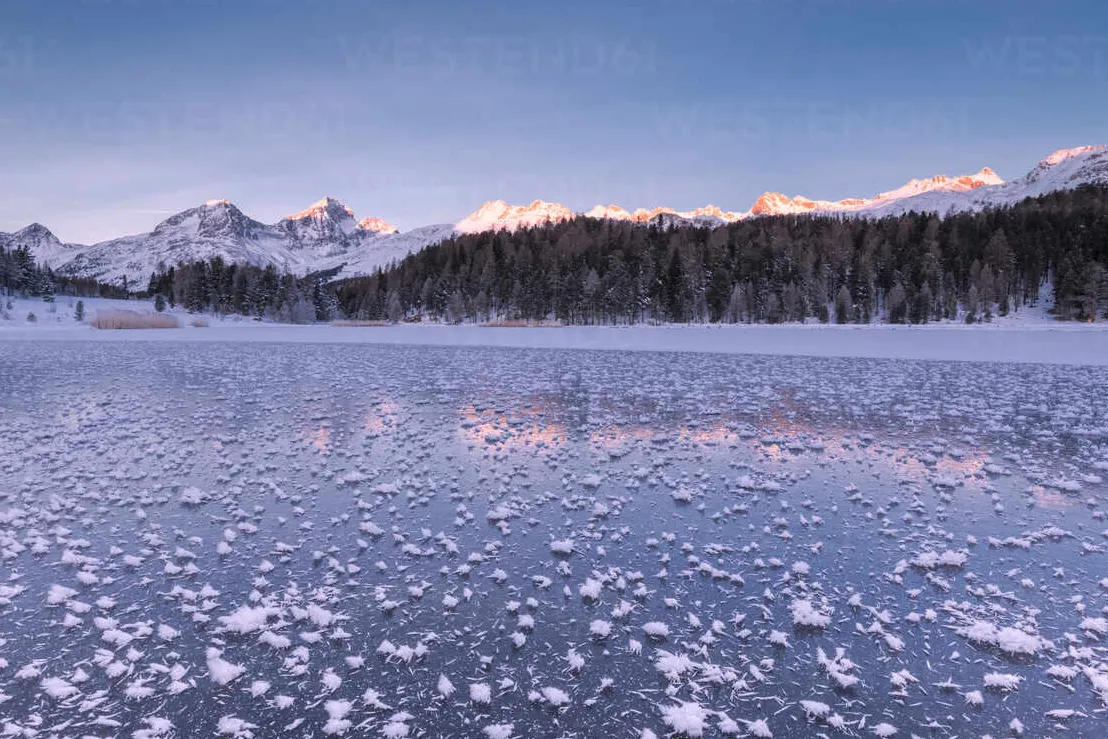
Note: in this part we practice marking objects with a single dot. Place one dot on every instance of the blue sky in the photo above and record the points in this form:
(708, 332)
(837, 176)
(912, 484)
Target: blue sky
(117, 113)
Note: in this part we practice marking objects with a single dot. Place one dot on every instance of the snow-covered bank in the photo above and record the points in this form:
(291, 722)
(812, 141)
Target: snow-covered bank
(61, 314)
(1029, 336)
(1051, 343)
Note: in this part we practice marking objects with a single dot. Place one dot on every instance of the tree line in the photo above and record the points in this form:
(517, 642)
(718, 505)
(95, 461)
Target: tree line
(913, 268)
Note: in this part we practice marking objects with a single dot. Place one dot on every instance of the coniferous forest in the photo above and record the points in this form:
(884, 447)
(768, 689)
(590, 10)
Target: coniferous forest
(913, 268)
(20, 274)
(261, 292)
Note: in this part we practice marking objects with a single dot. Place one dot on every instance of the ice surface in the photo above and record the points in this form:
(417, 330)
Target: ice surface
(370, 540)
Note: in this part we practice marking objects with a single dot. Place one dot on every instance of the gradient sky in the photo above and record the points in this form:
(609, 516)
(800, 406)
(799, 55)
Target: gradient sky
(116, 113)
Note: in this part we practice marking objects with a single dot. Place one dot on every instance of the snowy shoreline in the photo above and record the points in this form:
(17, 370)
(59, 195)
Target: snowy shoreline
(1068, 344)
(1030, 336)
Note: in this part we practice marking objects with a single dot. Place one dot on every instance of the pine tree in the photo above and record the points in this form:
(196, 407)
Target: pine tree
(590, 290)
(719, 294)
(394, 310)
(736, 305)
(896, 304)
(844, 306)
(971, 304)
(673, 291)
(455, 312)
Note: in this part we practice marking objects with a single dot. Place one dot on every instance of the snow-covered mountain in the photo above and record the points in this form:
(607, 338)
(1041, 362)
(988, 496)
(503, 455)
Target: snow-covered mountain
(327, 235)
(376, 225)
(775, 203)
(328, 229)
(496, 215)
(707, 215)
(215, 229)
(42, 242)
(388, 247)
(1063, 170)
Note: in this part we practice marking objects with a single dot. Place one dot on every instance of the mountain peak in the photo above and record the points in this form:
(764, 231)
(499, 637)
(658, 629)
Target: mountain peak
(212, 220)
(376, 225)
(497, 215)
(984, 178)
(494, 208)
(642, 215)
(39, 239)
(1067, 168)
(609, 212)
(1063, 154)
(324, 226)
(713, 212)
(325, 207)
(36, 230)
(772, 203)
(214, 209)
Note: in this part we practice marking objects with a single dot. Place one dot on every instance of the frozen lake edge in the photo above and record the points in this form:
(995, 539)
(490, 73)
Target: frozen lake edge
(1065, 344)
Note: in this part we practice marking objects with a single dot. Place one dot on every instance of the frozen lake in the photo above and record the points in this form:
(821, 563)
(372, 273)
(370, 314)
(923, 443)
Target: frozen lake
(313, 539)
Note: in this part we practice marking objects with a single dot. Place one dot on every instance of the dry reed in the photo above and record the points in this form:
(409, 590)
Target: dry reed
(128, 319)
